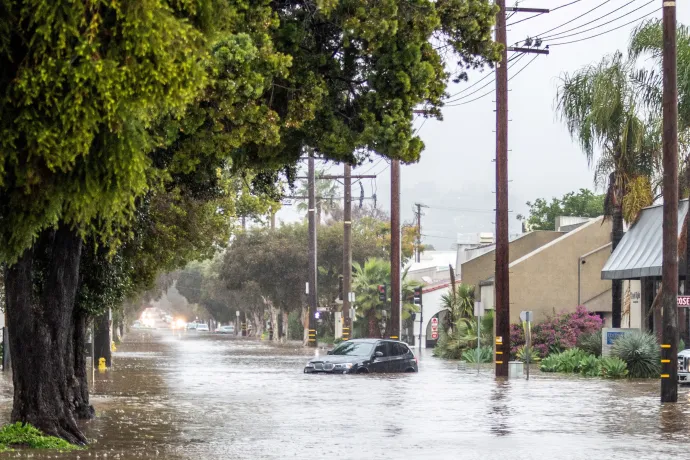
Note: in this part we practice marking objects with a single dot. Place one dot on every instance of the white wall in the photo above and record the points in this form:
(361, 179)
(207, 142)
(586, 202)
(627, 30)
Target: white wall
(633, 318)
(432, 305)
(487, 296)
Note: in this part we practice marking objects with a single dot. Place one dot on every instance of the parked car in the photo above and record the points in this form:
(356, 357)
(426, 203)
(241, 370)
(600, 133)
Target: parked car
(202, 327)
(229, 329)
(191, 326)
(363, 356)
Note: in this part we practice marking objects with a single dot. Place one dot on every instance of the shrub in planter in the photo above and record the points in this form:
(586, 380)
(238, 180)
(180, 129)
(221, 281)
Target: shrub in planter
(589, 366)
(640, 352)
(612, 368)
(590, 343)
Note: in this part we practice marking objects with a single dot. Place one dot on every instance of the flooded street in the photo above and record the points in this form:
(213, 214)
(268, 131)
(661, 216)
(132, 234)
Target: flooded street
(199, 396)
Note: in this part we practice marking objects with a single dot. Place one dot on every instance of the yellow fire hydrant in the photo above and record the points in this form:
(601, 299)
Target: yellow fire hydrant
(112, 347)
(101, 364)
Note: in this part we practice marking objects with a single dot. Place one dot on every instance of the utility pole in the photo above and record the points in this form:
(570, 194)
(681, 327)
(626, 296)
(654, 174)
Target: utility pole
(669, 269)
(395, 251)
(419, 231)
(312, 293)
(347, 249)
(502, 276)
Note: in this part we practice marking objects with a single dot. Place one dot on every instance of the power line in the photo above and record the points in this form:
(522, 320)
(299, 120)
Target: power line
(492, 90)
(605, 32)
(517, 56)
(558, 34)
(539, 14)
(443, 208)
(514, 58)
(574, 19)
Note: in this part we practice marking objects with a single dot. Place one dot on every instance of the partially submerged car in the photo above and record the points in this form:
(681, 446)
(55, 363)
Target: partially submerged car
(363, 356)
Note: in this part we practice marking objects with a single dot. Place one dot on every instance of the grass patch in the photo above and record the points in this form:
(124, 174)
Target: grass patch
(20, 435)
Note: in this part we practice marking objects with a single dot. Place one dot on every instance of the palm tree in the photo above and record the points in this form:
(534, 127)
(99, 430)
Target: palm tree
(326, 192)
(600, 109)
(457, 305)
(366, 279)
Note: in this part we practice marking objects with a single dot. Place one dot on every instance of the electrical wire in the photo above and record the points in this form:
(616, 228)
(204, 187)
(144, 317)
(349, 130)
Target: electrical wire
(539, 14)
(512, 58)
(605, 32)
(515, 61)
(443, 208)
(574, 19)
(560, 34)
(491, 91)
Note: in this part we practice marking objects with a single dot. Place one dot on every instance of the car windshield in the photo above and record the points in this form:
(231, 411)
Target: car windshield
(353, 349)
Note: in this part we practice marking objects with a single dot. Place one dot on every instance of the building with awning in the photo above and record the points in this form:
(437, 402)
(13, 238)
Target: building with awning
(638, 257)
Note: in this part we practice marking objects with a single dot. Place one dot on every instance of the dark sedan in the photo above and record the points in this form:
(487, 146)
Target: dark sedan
(362, 356)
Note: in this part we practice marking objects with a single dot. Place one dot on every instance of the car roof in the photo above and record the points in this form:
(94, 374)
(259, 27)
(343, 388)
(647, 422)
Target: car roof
(375, 340)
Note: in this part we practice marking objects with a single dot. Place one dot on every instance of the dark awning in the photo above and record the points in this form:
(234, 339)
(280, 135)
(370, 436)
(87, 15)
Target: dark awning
(639, 252)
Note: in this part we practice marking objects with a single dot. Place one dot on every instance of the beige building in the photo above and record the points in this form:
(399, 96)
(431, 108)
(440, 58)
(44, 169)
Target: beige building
(551, 272)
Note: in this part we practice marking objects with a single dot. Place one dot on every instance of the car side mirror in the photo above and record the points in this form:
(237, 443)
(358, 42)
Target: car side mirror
(379, 354)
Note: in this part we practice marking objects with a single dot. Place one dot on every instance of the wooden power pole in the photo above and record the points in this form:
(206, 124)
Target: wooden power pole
(669, 269)
(347, 249)
(311, 212)
(395, 251)
(501, 278)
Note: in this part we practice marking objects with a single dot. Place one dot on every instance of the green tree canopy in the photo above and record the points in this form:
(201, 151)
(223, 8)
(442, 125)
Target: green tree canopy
(542, 214)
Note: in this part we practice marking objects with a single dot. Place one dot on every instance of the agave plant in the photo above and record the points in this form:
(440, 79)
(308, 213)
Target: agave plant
(640, 352)
(589, 366)
(478, 355)
(523, 353)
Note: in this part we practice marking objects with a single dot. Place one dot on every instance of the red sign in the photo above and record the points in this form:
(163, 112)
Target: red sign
(434, 335)
(434, 321)
(684, 301)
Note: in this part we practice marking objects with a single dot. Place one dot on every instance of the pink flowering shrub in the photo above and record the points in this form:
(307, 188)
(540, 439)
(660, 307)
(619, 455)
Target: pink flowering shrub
(557, 333)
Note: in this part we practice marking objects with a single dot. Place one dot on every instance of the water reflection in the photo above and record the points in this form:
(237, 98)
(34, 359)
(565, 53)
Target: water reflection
(199, 396)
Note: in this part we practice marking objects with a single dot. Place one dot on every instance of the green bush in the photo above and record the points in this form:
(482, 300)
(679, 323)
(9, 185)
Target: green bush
(612, 368)
(550, 363)
(590, 343)
(569, 361)
(681, 345)
(523, 353)
(20, 435)
(640, 352)
(590, 366)
(478, 355)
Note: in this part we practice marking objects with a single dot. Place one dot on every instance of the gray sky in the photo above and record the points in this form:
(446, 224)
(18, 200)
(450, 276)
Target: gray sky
(456, 175)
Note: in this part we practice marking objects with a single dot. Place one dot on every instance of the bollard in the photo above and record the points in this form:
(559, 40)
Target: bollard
(101, 364)
(112, 347)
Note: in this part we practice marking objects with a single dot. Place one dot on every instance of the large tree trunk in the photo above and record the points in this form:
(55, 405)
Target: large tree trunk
(41, 288)
(286, 327)
(102, 340)
(374, 328)
(274, 324)
(305, 324)
(258, 324)
(79, 383)
(616, 285)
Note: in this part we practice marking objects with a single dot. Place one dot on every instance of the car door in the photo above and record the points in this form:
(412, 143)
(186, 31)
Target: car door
(398, 362)
(381, 363)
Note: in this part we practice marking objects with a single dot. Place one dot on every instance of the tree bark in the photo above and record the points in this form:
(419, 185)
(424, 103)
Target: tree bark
(258, 324)
(41, 288)
(305, 323)
(81, 407)
(286, 327)
(274, 323)
(616, 285)
(102, 340)
(374, 329)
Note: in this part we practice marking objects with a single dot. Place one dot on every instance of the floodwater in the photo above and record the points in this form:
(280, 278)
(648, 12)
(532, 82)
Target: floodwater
(199, 396)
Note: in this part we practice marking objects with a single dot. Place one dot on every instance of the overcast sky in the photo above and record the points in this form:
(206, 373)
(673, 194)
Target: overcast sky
(456, 176)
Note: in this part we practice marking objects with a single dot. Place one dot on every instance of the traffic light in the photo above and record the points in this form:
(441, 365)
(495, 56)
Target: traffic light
(340, 287)
(418, 296)
(383, 292)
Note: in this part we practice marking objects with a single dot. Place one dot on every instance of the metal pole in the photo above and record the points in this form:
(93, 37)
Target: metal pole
(421, 321)
(669, 266)
(528, 344)
(347, 250)
(501, 270)
(395, 250)
(579, 266)
(312, 250)
(478, 343)
(419, 232)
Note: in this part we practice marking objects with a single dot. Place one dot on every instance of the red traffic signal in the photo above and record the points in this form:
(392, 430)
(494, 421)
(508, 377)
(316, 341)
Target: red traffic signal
(382, 292)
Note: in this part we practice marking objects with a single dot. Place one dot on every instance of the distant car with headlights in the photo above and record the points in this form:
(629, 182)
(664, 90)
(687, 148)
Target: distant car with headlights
(364, 356)
(229, 329)
(202, 327)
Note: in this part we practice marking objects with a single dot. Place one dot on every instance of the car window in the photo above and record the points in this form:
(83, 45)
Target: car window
(383, 348)
(399, 349)
(353, 349)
